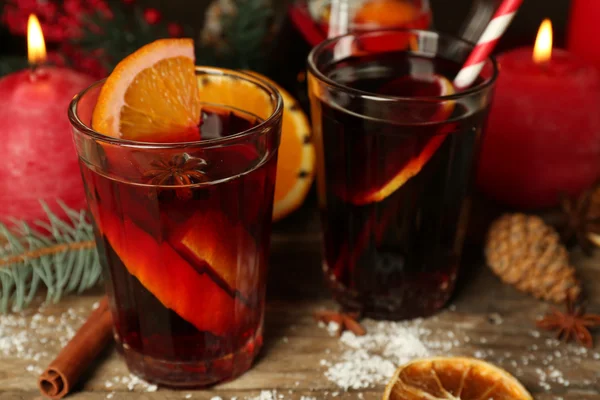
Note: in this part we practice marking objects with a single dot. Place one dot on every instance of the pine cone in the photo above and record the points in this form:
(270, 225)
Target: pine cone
(525, 252)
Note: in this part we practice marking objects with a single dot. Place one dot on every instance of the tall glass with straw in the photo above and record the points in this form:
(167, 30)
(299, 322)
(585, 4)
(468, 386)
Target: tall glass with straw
(398, 118)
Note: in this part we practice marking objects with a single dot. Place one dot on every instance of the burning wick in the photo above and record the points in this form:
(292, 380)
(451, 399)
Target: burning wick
(36, 47)
(542, 52)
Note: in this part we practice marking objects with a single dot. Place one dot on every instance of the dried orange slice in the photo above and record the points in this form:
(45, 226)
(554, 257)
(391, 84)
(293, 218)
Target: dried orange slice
(296, 161)
(441, 87)
(152, 95)
(453, 378)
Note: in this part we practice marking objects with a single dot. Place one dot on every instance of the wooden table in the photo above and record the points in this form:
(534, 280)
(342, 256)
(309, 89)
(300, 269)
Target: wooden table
(487, 318)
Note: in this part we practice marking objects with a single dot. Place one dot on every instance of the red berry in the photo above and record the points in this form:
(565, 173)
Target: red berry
(174, 29)
(56, 58)
(152, 16)
(72, 7)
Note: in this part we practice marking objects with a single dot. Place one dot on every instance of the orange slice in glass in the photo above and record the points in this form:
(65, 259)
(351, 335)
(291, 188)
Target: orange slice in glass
(225, 248)
(386, 14)
(185, 288)
(434, 85)
(453, 378)
(152, 95)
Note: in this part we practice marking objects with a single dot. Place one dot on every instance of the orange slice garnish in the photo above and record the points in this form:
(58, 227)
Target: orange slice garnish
(413, 166)
(296, 160)
(152, 95)
(453, 378)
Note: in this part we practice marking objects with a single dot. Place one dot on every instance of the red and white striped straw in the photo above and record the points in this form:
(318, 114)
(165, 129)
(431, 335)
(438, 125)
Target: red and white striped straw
(495, 29)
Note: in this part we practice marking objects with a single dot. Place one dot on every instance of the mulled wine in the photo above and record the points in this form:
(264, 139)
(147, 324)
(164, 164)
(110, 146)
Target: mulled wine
(183, 233)
(395, 155)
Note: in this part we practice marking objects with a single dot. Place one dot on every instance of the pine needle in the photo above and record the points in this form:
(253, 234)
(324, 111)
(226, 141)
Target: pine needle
(57, 255)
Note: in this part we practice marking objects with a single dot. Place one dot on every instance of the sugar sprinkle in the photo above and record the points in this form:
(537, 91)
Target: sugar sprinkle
(370, 360)
(52, 333)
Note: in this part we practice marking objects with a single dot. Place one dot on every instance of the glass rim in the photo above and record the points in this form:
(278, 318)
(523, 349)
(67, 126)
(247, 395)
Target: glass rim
(313, 69)
(83, 128)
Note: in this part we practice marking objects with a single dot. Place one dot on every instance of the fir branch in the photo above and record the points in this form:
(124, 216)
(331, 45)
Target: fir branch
(58, 255)
(46, 251)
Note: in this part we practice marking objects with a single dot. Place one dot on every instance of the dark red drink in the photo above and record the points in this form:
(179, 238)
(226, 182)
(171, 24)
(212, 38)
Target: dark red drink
(395, 169)
(183, 236)
(210, 240)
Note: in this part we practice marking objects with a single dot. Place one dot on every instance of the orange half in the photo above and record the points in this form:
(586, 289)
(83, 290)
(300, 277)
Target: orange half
(296, 161)
(152, 95)
(452, 378)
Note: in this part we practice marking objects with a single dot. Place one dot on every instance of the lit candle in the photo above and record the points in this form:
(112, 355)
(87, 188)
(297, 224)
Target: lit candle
(543, 134)
(38, 157)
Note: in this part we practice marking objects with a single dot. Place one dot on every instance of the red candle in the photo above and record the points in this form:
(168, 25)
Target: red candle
(38, 157)
(543, 133)
(583, 33)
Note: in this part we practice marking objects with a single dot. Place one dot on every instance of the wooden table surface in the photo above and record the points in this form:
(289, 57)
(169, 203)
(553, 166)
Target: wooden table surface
(486, 318)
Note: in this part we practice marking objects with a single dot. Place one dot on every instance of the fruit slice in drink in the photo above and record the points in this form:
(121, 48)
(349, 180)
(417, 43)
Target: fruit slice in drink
(225, 247)
(385, 14)
(408, 154)
(152, 95)
(183, 287)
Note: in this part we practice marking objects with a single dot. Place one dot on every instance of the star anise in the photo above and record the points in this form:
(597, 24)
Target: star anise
(574, 324)
(181, 169)
(345, 321)
(580, 221)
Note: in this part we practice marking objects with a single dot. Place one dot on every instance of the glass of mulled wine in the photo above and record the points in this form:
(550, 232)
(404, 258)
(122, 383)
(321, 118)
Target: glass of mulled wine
(312, 17)
(185, 260)
(396, 145)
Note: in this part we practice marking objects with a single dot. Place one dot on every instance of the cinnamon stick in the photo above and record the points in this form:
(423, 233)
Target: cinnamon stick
(62, 373)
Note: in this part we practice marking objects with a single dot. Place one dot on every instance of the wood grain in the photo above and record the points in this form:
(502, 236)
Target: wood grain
(485, 317)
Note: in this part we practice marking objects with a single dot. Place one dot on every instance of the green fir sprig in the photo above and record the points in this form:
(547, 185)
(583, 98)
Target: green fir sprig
(57, 255)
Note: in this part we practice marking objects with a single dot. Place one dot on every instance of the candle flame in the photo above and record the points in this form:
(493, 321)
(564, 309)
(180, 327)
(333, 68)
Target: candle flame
(36, 47)
(542, 52)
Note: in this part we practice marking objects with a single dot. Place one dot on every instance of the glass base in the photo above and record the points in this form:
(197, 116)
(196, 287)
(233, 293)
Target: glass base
(194, 374)
(414, 300)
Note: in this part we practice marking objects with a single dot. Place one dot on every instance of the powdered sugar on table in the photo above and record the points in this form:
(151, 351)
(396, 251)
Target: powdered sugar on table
(370, 360)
